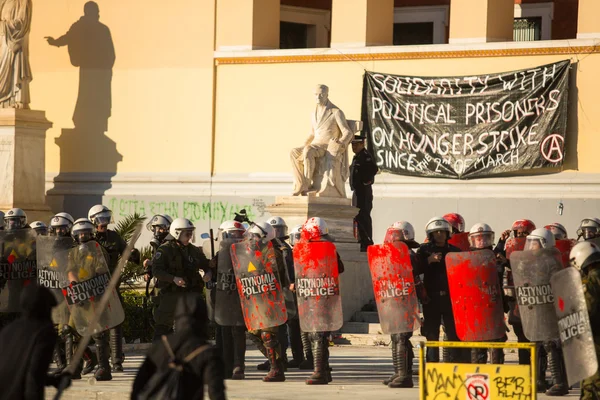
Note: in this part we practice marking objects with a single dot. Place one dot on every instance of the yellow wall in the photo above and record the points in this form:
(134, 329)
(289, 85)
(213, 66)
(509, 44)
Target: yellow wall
(266, 107)
(161, 84)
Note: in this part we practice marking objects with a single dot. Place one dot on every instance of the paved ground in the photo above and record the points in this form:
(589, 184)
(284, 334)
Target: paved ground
(357, 374)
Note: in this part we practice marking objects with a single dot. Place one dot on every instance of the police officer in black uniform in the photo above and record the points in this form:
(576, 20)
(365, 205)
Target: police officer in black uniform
(114, 245)
(362, 177)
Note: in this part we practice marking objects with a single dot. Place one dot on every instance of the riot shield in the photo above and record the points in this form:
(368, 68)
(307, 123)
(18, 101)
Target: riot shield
(318, 286)
(52, 258)
(88, 276)
(565, 246)
(17, 266)
(574, 326)
(394, 287)
(476, 295)
(532, 270)
(259, 287)
(228, 309)
(514, 244)
(460, 240)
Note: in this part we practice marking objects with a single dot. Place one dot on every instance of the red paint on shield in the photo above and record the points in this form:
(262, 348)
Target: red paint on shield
(460, 240)
(561, 304)
(394, 287)
(476, 295)
(317, 286)
(11, 258)
(514, 244)
(565, 246)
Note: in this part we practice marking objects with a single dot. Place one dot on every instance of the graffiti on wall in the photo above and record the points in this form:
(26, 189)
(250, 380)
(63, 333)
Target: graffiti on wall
(196, 211)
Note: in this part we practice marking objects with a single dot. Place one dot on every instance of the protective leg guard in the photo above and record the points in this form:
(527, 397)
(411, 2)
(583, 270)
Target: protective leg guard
(69, 352)
(273, 350)
(308, 363)
(58, 357)
(557, 370)
(321, 370)
(405, 356)
(395, 359)
(102, 352)
(116, 348)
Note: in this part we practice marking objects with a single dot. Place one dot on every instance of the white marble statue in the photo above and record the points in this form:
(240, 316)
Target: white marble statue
(321, 165)
(15, 71)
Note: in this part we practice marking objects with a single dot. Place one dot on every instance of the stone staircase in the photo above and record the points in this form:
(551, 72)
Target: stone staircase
(364, 329)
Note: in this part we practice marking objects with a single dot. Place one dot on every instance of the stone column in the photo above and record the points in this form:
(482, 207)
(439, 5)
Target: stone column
(247, 24)
(22, 162)
(588, 23)
(481, 21)
(356, 287)
(360, 23)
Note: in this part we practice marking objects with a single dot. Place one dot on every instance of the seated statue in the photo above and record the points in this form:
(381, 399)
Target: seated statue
(321, 165)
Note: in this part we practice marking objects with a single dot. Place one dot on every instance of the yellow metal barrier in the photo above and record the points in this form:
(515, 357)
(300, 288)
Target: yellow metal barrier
(477, 381)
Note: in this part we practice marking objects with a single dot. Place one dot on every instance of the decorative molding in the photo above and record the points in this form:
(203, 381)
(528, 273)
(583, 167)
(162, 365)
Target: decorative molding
(436, 14)
(391, 53)
(544, 10)
(569, 184)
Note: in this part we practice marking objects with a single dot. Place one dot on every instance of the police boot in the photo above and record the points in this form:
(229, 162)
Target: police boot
(479, 356)
(557, 371)
(116, 348)
(542, 365)
(239, 353)
(395, 359)
(89, 361)
(69, 353)
(321, 370)
(59, 358)
(102, 352)
(497, 356)
(404, 378)
(307, 364)
(272, 345)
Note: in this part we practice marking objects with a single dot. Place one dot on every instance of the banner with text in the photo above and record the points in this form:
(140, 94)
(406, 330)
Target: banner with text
(470, 126)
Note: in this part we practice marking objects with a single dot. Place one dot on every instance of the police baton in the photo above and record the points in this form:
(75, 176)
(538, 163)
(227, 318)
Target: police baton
(212, 243)
(112, 285)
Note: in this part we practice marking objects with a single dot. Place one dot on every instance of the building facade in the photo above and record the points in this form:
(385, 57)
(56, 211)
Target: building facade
(191, 107)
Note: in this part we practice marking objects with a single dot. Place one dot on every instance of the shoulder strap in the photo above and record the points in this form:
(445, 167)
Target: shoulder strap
(195, 353)
(187, 358)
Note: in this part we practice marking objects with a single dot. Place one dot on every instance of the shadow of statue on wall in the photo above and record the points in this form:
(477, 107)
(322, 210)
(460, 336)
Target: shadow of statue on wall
(88, 158)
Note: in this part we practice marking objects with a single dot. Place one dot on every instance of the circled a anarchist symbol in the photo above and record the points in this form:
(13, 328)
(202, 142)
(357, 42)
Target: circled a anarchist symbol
(551, 148)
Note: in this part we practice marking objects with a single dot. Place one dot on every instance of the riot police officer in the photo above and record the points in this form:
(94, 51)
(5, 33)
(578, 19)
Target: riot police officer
(83, 232)
(176, 267)
(402, 349)
(432, 263)
(289, 334)
(481, 237)
(307, 356)
(585, 256)
(362, 176)
(232, 328)
(266, 340)
(114, 245)
(15, 219)
(589, 229)
(39, 227)
(159, 226)
(316, 230)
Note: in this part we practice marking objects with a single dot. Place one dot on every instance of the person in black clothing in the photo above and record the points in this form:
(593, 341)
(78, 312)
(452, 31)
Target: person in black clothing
(432, 263)
(191, 321)
(26, 346)
(362, 176)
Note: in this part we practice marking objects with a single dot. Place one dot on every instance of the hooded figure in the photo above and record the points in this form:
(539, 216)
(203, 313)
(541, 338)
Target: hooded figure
(26, 346)
(191, 321)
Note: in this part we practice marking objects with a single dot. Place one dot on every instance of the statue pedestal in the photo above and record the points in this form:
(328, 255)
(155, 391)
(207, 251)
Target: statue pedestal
(355, 283)
(22, 162)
